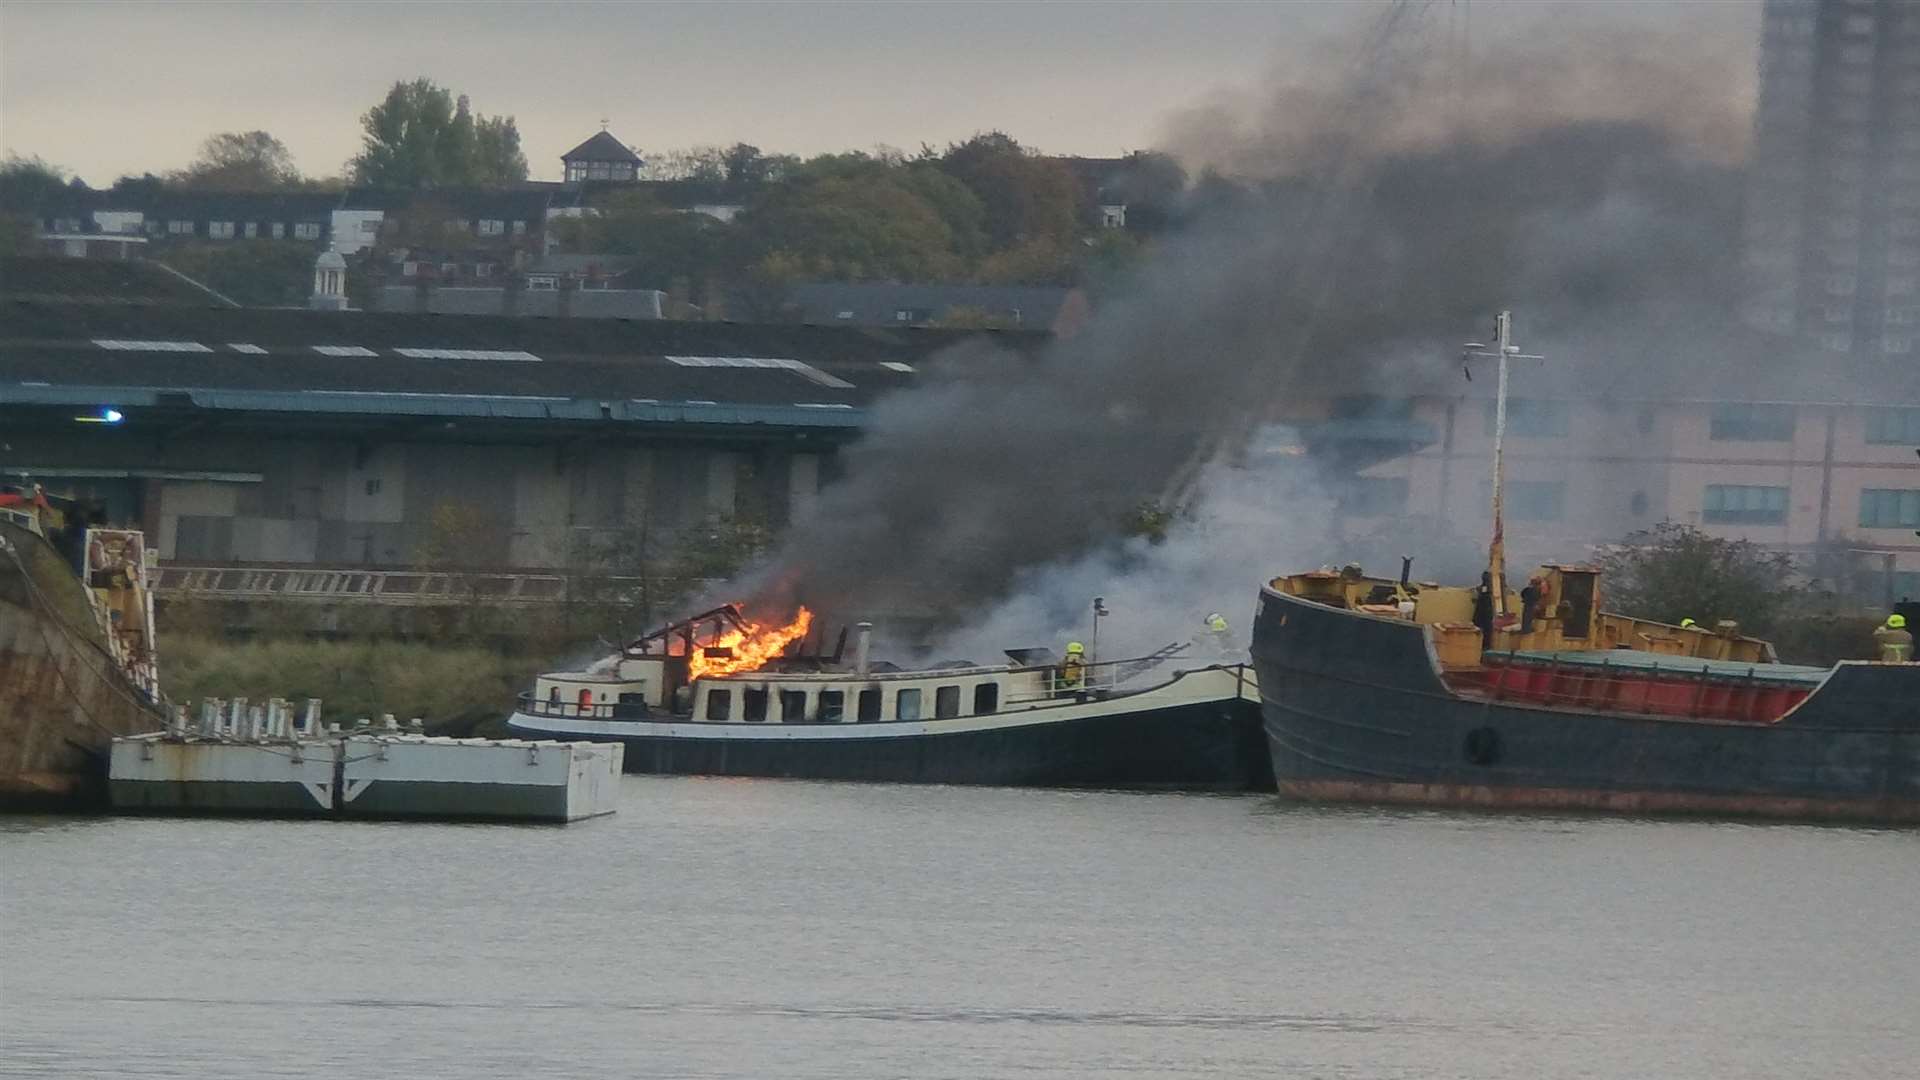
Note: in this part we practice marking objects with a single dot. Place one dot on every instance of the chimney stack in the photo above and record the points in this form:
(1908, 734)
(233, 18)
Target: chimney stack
(862, 648)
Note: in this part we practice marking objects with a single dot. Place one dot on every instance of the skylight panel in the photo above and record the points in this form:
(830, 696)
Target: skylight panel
(469, 354)
(119, 345)
(799, 367)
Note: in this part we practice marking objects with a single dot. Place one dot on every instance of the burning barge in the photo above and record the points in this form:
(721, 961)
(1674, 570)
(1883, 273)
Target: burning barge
(720, 695)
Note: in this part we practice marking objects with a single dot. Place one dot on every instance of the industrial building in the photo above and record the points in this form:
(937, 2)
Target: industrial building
(339, 438)
(1832, 244)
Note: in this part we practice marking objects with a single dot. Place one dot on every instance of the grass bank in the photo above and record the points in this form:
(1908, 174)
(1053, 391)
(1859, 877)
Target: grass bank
(457, 688)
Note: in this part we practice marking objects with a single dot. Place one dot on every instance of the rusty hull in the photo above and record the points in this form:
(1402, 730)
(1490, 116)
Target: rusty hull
(62, 697)
(1489, 797)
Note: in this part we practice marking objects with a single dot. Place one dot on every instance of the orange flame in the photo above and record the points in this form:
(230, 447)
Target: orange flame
(752, 647)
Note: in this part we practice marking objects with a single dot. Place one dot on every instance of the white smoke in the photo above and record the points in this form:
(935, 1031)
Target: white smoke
(1249, 523)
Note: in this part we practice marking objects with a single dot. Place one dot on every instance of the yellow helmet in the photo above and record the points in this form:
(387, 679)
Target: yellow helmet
(1074, 648)
(1216, 622)
(1897, 622)
(1685, 623)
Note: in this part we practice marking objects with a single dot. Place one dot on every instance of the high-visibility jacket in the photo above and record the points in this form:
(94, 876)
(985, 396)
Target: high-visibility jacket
(1896, 646)
(1072, 670)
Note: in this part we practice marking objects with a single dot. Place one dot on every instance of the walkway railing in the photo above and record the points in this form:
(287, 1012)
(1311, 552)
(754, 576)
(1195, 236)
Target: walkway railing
(396, 587)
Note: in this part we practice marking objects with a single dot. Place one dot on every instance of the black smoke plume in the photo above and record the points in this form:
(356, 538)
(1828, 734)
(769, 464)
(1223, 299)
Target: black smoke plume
(1380, 209)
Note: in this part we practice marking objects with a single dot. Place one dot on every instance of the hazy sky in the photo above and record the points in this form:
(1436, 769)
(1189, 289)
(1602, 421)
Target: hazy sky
(110, 88)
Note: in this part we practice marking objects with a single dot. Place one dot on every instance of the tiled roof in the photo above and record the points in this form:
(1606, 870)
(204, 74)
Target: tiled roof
(602, 147)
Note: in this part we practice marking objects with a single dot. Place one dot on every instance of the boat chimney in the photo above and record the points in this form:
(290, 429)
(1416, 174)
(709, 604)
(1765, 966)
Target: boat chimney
(863, 647)
(1406, 570)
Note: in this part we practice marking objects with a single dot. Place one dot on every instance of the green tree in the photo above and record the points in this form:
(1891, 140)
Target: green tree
(497, 157)
(27, 182)
(1151, 185)
(704, 163)
(1042, 260)
(744, 163)
(1673, 572)
(241, 161)
(956, 204)
(420, 136)
(664, 244)
(1026, 197)
(852, 229)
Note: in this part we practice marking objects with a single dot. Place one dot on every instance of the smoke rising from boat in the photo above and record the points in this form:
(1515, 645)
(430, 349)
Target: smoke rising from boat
(1384, 207)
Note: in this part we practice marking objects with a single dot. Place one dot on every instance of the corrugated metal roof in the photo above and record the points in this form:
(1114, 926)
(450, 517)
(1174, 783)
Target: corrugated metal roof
(490, 406)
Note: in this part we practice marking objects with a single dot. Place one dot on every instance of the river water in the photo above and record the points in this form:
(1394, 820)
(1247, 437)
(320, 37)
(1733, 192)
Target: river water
(728, 928)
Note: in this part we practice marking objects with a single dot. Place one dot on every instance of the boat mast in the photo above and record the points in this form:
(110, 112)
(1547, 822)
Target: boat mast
(1504, 350)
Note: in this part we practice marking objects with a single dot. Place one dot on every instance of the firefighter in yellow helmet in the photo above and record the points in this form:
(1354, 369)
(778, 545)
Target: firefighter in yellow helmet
(1689, 624)
(1073, 669)
(1215, 638)
(1895, 640)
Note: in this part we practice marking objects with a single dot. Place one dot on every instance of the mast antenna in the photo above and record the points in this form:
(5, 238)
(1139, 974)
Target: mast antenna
(1503, 350)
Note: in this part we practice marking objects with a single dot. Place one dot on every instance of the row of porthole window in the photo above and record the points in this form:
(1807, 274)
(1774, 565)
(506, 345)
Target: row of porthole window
(829, 706)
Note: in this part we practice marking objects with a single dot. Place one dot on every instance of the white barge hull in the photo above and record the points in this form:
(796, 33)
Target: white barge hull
(365, 775)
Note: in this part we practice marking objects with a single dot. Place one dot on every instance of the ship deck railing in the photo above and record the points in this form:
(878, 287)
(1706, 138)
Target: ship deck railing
(1629, 681)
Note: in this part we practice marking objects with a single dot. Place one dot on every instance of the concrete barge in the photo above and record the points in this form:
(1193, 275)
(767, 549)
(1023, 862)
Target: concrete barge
(257, 761)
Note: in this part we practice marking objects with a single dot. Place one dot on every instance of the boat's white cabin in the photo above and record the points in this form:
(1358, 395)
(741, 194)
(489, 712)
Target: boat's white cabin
(830, 697)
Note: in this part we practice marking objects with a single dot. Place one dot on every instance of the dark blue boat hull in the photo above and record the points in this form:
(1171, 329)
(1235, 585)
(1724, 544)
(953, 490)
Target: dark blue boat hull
(1355, 710)
(1209, 746)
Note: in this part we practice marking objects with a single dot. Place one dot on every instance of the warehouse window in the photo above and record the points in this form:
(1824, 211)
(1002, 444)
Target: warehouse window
(1886, 508)
(1532, 418)
(1752, 423)
(1893, 427)
(1735, 504)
